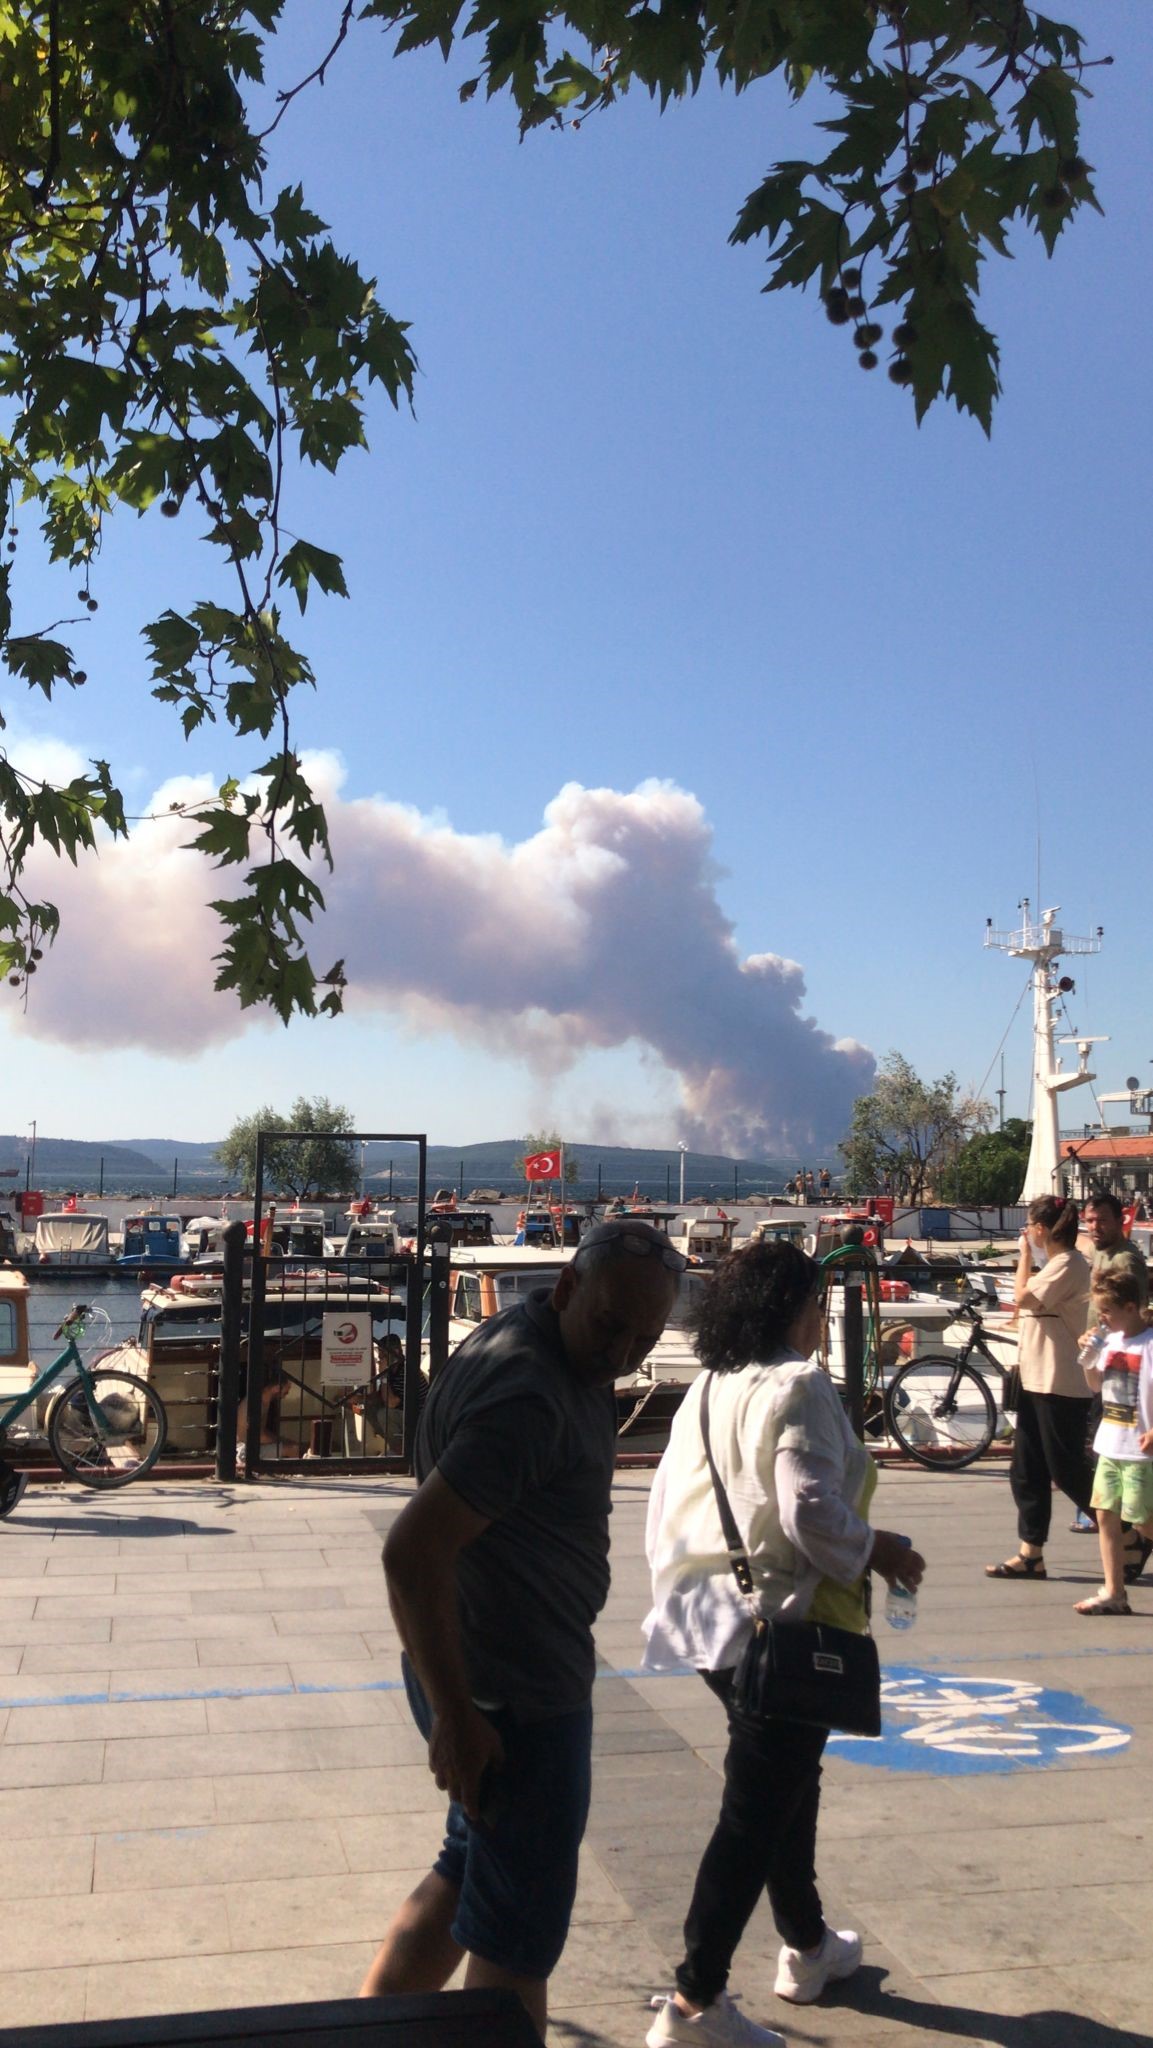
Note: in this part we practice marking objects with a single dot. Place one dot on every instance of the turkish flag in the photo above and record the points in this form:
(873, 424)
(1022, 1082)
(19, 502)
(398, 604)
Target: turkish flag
(542, 1166)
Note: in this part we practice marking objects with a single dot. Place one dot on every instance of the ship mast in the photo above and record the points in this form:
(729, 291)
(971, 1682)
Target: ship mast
(1043, 944)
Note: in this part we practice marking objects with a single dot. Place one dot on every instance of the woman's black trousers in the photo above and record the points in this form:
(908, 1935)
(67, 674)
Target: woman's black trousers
(1049, 1450)
(765, 1840)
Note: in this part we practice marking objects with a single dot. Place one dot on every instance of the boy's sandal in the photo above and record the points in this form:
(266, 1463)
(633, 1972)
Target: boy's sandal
(1100, 1603)
(1018, 1568)
(1138, 1551)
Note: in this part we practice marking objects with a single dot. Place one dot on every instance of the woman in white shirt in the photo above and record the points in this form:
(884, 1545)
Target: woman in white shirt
(800, 1485)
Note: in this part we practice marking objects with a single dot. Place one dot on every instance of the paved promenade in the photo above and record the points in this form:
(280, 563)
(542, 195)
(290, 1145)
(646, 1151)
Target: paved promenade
(210, 1793)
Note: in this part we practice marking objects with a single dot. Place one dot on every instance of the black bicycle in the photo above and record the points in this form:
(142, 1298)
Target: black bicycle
(940, 1407)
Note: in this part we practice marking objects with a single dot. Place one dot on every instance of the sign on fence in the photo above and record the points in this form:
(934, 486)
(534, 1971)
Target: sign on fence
(346, 1349)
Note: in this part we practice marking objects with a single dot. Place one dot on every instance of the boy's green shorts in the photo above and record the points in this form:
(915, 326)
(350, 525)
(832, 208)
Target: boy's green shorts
(1124, 1486)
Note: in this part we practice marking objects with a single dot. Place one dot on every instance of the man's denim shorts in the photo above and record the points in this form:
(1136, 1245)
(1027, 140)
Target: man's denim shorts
(517, 1875)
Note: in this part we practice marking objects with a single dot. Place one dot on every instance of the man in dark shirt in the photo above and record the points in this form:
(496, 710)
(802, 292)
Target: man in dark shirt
(496, 1570)
(1104, 1219)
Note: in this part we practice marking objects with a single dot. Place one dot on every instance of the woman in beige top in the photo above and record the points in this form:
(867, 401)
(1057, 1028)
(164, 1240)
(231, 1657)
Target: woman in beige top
(1049, 1442)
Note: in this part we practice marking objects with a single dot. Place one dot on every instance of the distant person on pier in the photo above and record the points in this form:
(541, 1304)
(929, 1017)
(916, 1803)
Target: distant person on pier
(496, 1569)
(825, 1183)
(1049, 1441)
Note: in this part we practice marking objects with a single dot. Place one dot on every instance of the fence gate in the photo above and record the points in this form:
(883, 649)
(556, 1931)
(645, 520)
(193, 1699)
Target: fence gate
(330, 1353)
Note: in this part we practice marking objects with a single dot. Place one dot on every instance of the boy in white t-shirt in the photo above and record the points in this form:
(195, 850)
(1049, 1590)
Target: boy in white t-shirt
(1123, 1486)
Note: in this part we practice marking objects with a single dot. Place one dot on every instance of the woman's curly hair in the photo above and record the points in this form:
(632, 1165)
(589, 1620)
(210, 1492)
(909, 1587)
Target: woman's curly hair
(749, 1303)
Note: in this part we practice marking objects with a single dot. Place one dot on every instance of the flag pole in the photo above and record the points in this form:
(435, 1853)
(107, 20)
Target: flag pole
(562, 1195)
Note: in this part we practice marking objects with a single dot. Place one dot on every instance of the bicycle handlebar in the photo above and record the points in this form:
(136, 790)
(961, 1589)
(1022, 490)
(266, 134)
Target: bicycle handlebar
(74, 1315)
(969, 1311)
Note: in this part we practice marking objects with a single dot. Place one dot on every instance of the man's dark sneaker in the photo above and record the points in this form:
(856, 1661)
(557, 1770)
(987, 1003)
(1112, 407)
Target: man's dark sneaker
(11, 1493)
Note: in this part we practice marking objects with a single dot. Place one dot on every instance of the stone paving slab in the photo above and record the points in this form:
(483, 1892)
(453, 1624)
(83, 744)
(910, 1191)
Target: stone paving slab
(210, 1792)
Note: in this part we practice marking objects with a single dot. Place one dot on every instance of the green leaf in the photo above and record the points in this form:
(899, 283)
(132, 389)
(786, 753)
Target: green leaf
(174, 642)
(292, 220)
(40, 662)
(224, 835)
(305, 564)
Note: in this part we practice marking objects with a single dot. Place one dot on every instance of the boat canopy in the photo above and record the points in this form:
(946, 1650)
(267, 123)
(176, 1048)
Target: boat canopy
(67, 1236)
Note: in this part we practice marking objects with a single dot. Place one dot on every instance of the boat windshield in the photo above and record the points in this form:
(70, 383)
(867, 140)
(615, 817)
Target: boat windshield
(514, 1287)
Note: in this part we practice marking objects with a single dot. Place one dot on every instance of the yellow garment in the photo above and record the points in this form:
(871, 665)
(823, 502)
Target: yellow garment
(844, 1606)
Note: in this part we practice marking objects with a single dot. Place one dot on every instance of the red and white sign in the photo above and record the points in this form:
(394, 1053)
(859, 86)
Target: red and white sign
(542, 1166)
(346, 1350)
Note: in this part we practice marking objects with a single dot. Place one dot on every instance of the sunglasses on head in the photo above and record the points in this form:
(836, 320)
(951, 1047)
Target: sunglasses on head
(631, 1240)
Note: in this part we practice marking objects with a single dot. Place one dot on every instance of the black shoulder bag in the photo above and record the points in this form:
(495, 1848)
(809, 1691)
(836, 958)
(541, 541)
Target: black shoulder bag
(796, 1670)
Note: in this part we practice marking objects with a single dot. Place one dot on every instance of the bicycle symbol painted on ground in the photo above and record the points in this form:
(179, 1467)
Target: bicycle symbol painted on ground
(950, 1723)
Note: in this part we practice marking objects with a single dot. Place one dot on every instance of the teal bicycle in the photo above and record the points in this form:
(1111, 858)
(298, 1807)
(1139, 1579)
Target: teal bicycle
(104, 1426)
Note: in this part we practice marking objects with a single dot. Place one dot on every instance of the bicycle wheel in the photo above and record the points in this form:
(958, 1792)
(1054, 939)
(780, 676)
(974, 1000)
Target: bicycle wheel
(941, 1412)
(108, 1428)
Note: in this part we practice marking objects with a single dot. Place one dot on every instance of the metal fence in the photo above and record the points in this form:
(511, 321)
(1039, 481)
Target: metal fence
(326, 1363)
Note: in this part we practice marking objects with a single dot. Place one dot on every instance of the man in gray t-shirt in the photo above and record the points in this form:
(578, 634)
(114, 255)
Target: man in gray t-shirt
(496, 1569)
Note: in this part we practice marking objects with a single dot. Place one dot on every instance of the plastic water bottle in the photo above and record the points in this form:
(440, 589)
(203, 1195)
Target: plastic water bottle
(1092, 1345)
(901, 1602)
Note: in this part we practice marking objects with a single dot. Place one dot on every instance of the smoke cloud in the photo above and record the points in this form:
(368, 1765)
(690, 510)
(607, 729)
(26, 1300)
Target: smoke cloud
(601, 929)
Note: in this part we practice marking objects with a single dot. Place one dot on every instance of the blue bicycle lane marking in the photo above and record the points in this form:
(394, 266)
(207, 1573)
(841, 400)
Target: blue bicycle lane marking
(958, 1723)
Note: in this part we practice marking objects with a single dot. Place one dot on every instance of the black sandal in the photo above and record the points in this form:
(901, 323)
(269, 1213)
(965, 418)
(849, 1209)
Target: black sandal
(1019, 1568)
(1137, 1555)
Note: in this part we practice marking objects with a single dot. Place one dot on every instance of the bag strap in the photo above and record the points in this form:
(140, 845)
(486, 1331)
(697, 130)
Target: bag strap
(738, 1555)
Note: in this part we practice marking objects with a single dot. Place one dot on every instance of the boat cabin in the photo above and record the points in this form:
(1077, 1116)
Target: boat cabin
(545, 1225)
(69, 1238)
(706, 1238)
(297, 1234)
(464, 1226)
(13, 1322)
(482, 1287)
(849, 1228)
(152, 1241)
(372, 1237)
(780, 1230)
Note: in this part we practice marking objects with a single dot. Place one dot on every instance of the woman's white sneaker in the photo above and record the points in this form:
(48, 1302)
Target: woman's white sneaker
(720, 2025)
(802, 1978)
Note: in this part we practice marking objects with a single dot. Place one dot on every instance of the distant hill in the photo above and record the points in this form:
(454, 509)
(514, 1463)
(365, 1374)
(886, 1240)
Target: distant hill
(608, 1169)
(76, 1161)
(196, 1157)
(148, 1164)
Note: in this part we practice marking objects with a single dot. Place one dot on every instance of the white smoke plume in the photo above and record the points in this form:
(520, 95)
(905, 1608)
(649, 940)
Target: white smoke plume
(602, 929)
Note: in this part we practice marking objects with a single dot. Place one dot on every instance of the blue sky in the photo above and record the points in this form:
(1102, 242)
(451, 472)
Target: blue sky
(650, 523)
